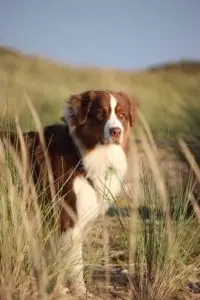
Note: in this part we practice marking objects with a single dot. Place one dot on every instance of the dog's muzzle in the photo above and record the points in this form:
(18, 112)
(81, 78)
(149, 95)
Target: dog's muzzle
(115, 134)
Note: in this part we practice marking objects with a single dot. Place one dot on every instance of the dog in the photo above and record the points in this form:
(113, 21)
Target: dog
(88, 157)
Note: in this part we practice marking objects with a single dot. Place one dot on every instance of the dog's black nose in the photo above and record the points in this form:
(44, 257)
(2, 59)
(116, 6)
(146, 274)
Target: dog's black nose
(115, 132)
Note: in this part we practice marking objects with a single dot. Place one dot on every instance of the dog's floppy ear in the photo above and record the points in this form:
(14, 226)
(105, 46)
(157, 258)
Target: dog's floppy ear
(78, 107)
(133, 104)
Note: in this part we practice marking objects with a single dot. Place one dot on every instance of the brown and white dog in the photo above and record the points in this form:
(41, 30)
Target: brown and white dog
(88, 157)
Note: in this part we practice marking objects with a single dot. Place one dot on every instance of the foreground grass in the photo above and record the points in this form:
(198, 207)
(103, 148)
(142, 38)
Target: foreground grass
(126, 256)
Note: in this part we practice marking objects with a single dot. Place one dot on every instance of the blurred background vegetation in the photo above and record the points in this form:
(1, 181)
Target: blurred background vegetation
(169, 95)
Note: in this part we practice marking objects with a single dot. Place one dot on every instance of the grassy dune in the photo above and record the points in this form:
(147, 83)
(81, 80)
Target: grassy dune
(152, 257)
(125, 256)
(169, 95)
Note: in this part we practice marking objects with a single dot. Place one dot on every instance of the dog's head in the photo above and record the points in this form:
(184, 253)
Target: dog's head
(101, 117)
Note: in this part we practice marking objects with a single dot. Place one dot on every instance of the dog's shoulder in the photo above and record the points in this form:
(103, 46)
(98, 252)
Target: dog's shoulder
(58, 140)
(54, 137)
(60, 146)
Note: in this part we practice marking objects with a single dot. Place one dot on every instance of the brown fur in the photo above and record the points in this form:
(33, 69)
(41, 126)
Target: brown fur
(63, 157)
(93, 107)
(87, 124)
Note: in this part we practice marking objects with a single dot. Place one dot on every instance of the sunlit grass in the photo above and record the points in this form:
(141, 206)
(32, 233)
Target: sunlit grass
(158, 247)
(160, 253)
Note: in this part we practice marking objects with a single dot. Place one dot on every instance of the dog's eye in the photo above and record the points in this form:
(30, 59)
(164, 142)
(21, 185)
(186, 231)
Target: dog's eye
(121, 115)
(100, 115)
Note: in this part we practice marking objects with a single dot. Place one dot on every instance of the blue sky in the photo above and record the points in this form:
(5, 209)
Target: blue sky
(126, 34)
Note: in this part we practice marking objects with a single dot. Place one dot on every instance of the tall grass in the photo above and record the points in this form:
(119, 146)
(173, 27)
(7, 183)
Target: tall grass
(160, 253)
(166, 252)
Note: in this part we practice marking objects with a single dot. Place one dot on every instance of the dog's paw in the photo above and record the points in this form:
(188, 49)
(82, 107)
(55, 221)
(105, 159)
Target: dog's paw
(64, 291)
(81, 292)
(84, 295)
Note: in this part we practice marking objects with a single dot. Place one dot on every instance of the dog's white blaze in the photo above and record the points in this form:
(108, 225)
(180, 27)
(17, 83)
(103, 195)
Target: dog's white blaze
(113, 120)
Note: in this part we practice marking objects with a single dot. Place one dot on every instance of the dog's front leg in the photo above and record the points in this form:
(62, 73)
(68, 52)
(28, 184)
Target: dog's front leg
(77, 284)
(73, 261)
(87, 210)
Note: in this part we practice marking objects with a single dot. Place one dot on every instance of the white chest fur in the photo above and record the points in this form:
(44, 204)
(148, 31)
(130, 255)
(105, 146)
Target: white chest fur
(106, 165)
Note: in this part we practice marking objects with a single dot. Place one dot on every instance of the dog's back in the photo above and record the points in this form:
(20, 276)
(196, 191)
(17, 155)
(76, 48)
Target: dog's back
(63, 158)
